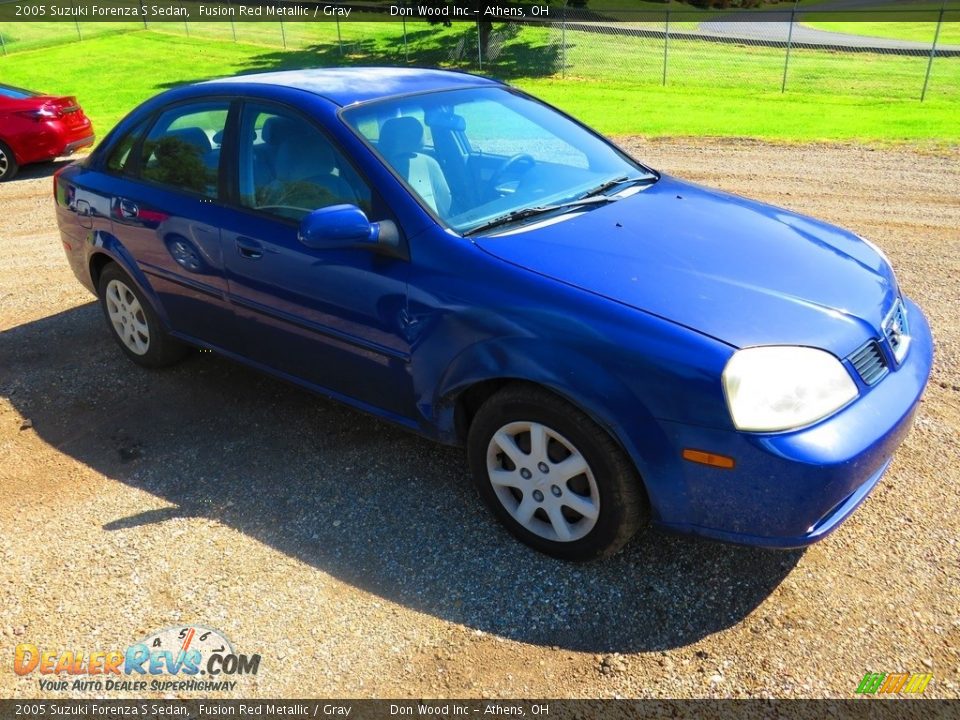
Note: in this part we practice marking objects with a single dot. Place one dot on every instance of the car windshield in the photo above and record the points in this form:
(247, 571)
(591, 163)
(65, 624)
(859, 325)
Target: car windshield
(484, 156)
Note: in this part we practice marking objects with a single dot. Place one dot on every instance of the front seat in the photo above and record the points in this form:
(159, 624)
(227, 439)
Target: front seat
(401, 140)
(304, 167)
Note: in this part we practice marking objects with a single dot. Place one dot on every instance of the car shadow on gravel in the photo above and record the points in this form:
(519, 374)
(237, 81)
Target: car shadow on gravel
(354, 497)
(40, 170)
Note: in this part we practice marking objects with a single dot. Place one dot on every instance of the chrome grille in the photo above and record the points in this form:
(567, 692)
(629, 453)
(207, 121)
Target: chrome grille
(870, 363)
(896, 330)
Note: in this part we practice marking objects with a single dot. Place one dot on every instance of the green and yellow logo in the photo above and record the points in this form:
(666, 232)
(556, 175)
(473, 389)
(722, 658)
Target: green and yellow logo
(893, 683)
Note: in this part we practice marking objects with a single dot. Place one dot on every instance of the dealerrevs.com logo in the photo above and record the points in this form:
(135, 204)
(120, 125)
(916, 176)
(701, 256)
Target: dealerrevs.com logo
(175, 659)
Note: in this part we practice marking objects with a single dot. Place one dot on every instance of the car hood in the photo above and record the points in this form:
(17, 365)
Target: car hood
(738, 270)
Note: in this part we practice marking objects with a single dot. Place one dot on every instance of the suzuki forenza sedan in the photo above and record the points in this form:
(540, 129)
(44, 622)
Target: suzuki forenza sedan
(612, 345)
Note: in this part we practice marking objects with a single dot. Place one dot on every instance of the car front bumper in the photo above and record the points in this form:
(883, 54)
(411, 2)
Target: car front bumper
(792, 489)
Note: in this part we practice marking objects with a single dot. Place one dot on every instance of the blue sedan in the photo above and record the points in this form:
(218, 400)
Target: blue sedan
(612, 345)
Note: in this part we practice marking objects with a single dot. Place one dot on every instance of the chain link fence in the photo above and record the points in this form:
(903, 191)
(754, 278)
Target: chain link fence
(800, 50)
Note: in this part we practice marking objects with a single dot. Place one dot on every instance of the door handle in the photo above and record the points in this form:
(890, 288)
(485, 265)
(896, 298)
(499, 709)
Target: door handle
(249, 249)
(129, 209)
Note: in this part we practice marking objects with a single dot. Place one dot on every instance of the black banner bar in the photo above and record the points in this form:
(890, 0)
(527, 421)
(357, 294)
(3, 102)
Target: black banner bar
(447, 11)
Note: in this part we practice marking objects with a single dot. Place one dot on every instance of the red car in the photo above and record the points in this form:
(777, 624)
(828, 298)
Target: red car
(35, 127)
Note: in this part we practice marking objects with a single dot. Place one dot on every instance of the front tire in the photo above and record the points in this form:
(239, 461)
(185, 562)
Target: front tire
(8, 163)
(555, 478)
(133, 322)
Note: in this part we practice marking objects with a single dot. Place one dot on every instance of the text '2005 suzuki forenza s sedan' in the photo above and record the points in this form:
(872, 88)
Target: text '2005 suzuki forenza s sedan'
(613, 345)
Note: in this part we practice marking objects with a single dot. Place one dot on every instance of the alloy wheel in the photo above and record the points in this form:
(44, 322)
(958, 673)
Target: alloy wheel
(127, 317)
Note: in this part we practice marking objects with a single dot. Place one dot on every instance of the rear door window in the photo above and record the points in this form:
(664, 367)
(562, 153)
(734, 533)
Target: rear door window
(182, 150)
(120, 159)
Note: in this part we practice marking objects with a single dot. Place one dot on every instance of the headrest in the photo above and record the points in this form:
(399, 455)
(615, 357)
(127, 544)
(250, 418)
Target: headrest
(302, 156)
(276, 128)
(401, 136)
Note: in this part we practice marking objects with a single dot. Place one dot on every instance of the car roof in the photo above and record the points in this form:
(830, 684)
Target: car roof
(346, 86)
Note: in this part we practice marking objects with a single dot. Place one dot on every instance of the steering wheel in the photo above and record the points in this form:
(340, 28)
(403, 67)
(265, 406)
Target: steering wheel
(515, 165)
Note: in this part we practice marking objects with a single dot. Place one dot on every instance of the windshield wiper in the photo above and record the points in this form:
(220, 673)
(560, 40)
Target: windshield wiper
(599, 190)
(524, 213)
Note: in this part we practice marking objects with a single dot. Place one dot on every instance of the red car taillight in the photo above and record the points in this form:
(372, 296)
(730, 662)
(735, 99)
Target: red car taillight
(46, 112)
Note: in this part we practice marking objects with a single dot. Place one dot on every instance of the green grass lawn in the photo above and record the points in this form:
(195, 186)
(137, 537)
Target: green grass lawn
(111, 74)
(626, 109)
(28, 35)
(749, 67)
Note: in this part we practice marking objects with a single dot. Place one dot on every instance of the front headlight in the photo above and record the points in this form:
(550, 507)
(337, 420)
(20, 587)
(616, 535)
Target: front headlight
(782, 387)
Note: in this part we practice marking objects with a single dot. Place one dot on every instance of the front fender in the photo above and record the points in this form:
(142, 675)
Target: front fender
(569, 374)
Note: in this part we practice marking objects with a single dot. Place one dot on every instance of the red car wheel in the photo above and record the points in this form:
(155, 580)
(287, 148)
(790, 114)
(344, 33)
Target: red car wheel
(8, 163)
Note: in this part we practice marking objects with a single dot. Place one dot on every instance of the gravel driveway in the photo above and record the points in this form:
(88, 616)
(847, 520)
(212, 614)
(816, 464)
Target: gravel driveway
(356, 559)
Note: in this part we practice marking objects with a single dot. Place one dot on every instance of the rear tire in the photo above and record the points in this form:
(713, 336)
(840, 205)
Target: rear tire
(8, 163)
(555, 478)
(133, 322)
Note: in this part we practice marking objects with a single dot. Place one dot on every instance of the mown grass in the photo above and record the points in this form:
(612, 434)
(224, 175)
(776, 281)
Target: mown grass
(625, 109)
(112, 74)
(746, 66)
(536, 52)
(17, 36)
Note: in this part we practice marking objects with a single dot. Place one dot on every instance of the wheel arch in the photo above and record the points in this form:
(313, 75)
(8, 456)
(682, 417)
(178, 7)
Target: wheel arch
(467, 401)
(106, 250)
(598, 394)
(98, 261)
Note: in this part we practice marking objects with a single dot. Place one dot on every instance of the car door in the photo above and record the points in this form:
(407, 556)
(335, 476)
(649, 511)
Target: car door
(165, 210)
(333, 318)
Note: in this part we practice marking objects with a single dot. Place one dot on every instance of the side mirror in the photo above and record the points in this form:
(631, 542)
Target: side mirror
(345, 226)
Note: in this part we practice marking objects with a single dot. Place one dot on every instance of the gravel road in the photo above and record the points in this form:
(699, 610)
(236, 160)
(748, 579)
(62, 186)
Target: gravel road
(356, 559)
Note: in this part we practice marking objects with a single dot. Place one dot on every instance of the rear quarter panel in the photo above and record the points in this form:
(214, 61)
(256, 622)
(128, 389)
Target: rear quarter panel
(83, 202)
